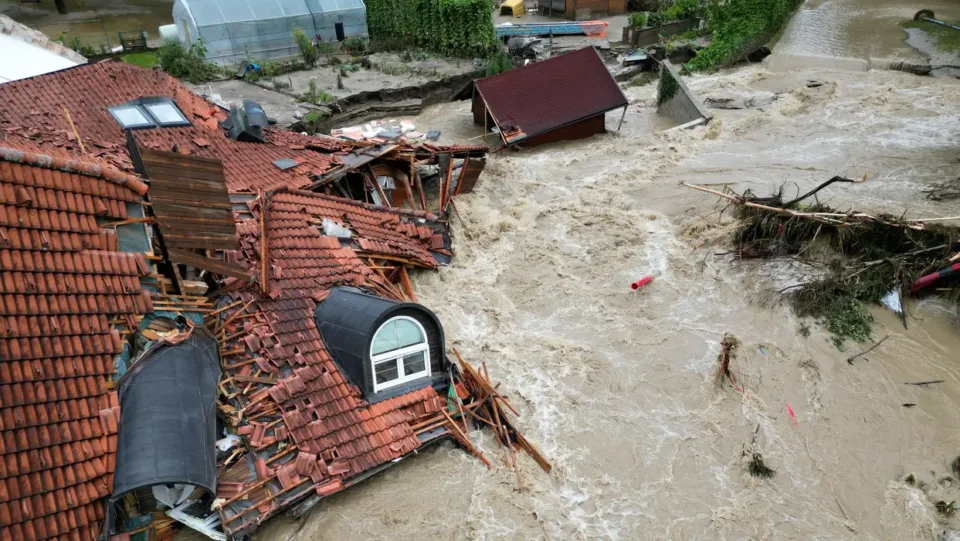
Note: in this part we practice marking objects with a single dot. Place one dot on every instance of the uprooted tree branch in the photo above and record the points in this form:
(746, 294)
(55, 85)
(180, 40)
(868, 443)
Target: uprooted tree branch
(859, 258)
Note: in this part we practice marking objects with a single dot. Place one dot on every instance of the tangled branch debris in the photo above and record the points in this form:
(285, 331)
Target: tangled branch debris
(756, 466)
(728, 351)
(860, 257)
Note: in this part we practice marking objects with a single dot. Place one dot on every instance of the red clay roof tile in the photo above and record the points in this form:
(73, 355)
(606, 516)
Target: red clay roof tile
(54, 340)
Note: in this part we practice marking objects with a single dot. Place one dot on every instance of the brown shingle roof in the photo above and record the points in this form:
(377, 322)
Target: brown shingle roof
(540, 97)
(63, 280)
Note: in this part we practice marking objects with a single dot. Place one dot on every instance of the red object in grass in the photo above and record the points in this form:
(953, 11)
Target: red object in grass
(641, 282)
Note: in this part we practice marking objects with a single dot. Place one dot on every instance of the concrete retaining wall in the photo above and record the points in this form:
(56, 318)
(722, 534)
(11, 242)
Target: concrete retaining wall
(676, 101)
(649, 36)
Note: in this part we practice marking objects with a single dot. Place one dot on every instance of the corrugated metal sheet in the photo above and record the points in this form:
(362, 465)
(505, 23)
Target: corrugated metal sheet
(549, 94)
(190, 201)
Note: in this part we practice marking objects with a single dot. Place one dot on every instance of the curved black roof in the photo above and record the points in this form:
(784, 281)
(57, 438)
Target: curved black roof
(168, 407)
(347, 320)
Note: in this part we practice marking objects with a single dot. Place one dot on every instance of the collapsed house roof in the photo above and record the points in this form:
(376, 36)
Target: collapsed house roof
(35, 115)
(310, 427)
(64, 283)
(546, 96)
(68, 112)
(81, 298)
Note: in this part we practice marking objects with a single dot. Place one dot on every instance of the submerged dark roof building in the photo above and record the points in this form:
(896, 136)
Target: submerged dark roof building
(561, 98)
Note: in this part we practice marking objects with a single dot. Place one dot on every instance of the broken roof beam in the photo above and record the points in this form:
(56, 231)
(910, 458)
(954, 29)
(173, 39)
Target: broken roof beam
(210, 264)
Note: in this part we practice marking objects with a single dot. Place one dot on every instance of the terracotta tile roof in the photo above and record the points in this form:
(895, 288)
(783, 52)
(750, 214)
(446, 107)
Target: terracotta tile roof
(549, 94)
(33, 117)
(62, 280)
(332, 433)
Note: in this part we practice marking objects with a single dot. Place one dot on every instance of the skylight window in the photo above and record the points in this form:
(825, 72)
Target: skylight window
(130, 116)
(149, 113)
(166, 113)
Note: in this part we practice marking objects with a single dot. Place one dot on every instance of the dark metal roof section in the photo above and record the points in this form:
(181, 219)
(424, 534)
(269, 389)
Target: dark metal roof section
(347, 320)
(547, 95)
(168, 408)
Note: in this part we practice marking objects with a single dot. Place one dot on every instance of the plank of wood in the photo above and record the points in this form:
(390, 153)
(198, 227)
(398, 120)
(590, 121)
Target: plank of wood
(464, 440)
(254, 379)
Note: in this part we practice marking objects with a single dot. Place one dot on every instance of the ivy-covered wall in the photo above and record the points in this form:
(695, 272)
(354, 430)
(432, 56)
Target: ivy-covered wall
(449, 27)
(739, 27)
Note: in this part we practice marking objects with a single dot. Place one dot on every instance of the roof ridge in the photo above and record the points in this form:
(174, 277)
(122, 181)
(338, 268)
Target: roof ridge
(89, 169)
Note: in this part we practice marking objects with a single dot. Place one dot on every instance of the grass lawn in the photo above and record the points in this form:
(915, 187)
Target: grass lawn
(146, 59)
(945, 39)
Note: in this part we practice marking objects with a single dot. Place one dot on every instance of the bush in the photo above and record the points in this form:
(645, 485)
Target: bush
(188, 63)
(498, 63)
(317, 96)
(682, 9)
(739, 27)
(308, 50)
(354, 45)
(637, 20)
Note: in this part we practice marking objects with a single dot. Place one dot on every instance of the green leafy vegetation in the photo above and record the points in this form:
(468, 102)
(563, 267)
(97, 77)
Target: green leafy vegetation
(271, 68)
(739, 27)
(83, 49)
(461, 28)
(668, 86)
(146, 59)
(945, 39)
(188, 63)
(308, 51)
(354, 45)
(682, 9)
(316, 95)
(312, 121)
(637, 20)
(499, 62)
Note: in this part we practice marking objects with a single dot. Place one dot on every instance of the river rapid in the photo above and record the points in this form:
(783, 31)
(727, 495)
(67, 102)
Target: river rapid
(618, 387)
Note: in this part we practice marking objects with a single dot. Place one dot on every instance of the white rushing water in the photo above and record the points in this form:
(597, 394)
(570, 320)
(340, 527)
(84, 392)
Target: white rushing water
(618, 388)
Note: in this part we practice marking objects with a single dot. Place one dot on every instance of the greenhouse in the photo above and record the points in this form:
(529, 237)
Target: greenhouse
(234, 31)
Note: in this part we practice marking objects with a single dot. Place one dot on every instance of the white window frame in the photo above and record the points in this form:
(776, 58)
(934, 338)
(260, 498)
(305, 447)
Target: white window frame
(397, 356)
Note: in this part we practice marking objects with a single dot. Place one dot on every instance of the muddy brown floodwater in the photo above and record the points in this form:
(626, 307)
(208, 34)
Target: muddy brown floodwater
(618, 387)
(93, 21)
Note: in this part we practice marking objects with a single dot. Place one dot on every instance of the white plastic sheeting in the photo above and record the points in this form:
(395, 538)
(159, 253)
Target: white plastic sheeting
(19, 60)
(234, 31)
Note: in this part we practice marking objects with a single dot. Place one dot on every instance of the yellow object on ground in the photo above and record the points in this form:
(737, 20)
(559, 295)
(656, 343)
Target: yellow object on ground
(515, 6)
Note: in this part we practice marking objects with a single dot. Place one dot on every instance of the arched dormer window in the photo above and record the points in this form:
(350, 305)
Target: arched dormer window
(399, 353)
(384, 347)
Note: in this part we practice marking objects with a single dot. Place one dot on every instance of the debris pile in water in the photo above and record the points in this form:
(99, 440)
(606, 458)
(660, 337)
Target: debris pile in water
(851, 258)
(728, 351)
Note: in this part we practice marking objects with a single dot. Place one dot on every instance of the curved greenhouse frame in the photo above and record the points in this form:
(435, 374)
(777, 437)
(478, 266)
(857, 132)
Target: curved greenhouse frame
(235, 31)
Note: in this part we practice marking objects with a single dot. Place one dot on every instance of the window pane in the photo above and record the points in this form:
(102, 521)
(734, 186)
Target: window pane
(408, 333)
(386, 371)
(386, 339)
(166, 113)
(414, 363)
(130, 117)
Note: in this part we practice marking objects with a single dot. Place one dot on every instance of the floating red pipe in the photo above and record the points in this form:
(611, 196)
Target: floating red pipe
(641, 282)
(924, 281)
